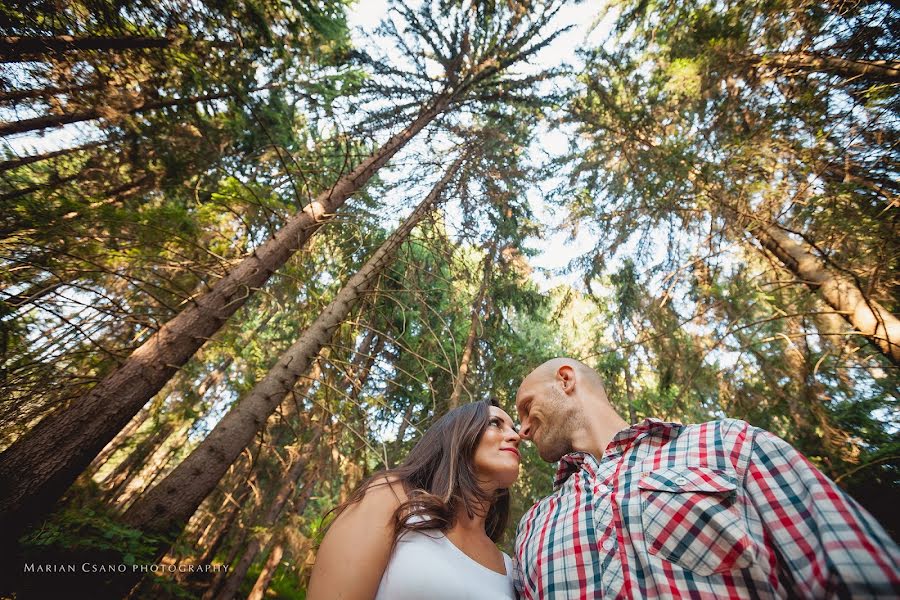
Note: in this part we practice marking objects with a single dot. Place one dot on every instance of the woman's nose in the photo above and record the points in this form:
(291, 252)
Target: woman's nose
(513, 437)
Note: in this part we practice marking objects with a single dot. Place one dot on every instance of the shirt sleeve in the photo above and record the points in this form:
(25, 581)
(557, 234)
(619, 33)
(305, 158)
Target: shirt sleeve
(826, 545)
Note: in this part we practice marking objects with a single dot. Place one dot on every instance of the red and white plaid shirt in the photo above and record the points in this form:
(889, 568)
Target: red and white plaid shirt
(717, 510)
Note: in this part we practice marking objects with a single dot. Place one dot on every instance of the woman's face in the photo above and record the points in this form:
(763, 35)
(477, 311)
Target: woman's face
(497, 455)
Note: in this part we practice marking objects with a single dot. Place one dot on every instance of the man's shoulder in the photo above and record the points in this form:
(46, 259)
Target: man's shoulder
(726, 431)
(725, 426)
(723, 422)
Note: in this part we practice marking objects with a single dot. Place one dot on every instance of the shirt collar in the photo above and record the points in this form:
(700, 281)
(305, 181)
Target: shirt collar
(571, 462)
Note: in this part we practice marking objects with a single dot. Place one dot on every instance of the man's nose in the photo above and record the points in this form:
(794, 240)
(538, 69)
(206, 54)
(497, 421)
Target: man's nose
(525, 430)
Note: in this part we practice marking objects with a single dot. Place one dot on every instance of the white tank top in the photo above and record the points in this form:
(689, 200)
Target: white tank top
(426, 565)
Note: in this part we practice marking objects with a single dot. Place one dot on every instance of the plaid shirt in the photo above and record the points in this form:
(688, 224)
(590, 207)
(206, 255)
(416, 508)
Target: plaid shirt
(717, 510)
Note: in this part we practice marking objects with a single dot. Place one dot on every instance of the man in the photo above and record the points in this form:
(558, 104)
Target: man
(664, 510)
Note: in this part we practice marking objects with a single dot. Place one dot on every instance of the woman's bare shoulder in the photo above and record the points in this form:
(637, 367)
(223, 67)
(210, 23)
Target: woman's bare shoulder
(382, 494)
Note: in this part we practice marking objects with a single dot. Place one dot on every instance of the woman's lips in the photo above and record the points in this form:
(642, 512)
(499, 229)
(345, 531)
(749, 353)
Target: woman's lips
(513, 450)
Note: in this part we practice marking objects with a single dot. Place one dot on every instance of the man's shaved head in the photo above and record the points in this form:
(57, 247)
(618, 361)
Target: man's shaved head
(549, 369)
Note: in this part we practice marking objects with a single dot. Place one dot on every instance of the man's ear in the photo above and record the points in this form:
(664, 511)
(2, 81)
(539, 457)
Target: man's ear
(565, 375)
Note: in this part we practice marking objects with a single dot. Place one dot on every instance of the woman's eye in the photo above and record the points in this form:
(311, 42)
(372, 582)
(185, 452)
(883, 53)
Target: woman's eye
(495, 422)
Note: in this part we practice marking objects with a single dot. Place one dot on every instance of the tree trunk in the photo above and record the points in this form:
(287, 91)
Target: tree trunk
(15, 96)
(121, 440)
(244, 490)
(58, 448)
(121, 476)
(840, 292)
(48, 121)
(401, 430)
(629, 387)
(167, 507)
(115, 480)
(216, 584)
(357, 373)
(54, 181)
(142, 467)
(798, 397)
(156, 465)
(363, 359)
(268, 571)
(474, 322)
(884, 70)
(236, 577)
(214, 541)
(15, 163)
(17, 49)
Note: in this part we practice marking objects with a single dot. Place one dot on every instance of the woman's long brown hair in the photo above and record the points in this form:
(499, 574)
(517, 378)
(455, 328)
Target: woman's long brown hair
(439, 477)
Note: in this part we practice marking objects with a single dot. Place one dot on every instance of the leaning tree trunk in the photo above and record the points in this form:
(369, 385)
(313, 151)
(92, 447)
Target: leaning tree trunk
(883, 70)
(268, 571)
(15, 163)
(212, 379)
(288, 485)
(120, 441)
(278, 438)
(839, 291)
(474, 322)
(120, 477)
(165, 509)
(227, 530)
(13, 49)
(212, 539)
(150, 457)
(157, 465)
(58, 448)
(15, 96)
(90, 114)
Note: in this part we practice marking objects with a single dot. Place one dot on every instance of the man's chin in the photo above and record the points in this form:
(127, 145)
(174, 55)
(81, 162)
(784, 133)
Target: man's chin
(550, 455)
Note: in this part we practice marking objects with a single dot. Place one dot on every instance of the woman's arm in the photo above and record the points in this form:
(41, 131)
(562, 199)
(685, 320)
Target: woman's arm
(357, 547)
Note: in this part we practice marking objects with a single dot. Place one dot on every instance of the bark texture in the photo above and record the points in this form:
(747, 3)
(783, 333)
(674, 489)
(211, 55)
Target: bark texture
(884, 70)
(839, 291)
(268, 571)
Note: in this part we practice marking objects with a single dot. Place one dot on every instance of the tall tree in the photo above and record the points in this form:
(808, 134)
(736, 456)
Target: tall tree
(465, 359)
(158, 511)
(64, 443)
(705, 150)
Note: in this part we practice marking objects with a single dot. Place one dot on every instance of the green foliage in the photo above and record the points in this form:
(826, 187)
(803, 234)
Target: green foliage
(86, 529)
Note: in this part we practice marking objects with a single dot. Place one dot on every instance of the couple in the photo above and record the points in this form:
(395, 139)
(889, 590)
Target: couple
(652, 510)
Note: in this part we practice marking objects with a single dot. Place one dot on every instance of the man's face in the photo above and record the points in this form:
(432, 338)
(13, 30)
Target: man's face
(546, 416)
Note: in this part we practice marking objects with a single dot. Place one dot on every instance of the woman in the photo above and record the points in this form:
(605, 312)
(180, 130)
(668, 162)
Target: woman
(427, 529)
